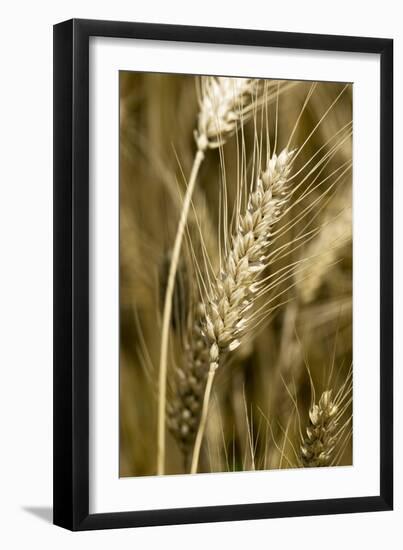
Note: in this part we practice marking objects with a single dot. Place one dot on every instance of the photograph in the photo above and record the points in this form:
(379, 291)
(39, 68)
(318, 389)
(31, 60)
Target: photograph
(235, 274)
(201, 252)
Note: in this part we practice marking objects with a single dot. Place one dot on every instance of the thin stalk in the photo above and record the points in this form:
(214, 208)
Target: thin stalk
(166, 318)
(203, 418)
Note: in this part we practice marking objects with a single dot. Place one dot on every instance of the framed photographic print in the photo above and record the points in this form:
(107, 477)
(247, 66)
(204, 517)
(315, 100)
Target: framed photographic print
(223, 320)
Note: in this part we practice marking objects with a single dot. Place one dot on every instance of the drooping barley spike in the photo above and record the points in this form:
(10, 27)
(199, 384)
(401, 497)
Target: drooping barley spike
(232, 297)
(184, 407)
(319, 444)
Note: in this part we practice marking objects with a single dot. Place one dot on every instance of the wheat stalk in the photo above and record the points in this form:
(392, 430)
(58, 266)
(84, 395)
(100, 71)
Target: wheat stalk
(234, 289)
(222, 108)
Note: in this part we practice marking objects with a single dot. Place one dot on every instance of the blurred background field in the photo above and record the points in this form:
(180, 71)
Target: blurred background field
(262, 396)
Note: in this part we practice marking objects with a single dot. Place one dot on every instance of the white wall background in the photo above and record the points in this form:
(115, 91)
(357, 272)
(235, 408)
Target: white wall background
(26, 272)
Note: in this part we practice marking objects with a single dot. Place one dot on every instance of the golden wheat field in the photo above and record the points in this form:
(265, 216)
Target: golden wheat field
(235, 274)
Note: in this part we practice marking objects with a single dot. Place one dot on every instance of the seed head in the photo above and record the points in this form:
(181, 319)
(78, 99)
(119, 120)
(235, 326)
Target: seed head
(224, 103)
(318, 446)
(237, 284)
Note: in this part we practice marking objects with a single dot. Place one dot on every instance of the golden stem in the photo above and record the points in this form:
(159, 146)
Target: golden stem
(166, 318)
(203, 418)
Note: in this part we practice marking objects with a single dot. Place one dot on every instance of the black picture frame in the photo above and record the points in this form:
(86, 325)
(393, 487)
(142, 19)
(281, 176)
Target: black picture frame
(71, 274)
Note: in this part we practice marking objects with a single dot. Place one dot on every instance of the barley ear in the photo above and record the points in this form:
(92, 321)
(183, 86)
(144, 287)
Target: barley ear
(232, 296)
(318, 446)
(185, 404)
(224, 104)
